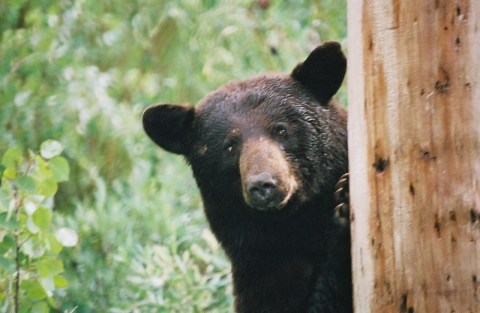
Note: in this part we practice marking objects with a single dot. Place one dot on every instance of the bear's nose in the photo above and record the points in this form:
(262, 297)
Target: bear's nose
(262, 191)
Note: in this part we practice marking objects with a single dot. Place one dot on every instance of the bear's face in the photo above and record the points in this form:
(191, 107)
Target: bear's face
(266, 144)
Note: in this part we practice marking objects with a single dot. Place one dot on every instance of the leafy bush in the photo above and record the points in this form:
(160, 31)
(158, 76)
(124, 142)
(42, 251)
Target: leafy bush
(30, 266)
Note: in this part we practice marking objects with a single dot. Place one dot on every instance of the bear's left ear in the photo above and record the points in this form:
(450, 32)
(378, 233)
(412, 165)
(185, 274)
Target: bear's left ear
(170, 126)
(323, 71)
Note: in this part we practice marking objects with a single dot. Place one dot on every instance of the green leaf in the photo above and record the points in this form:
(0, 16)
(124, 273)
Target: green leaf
(50, 149)
(42, 218)
(49, 267)
(54, 305)
(35, 291)
(8, 223)
(42, 169)
(12, 158)
(25, 284)
(40, 307)
(26, 184)
(60, 281)
(55, 245)
(4, 200)
(7, 243)
(10, 173)
(47, 187)
(8, 264)
(60, 168)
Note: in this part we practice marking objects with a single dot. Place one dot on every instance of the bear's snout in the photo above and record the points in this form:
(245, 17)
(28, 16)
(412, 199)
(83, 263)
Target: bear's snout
(267, 179)
(263, 191)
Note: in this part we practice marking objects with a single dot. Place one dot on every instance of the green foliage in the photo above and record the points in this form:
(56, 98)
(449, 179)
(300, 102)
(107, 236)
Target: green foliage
(30, 266)
(82, 72)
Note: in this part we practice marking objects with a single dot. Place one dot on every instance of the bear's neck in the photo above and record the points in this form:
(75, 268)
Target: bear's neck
(243, 231)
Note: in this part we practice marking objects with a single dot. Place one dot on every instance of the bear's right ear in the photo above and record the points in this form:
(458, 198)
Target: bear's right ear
(170, 126)
(323, 71)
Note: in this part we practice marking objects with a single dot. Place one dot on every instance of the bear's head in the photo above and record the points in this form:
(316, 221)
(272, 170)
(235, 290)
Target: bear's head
(267, 144)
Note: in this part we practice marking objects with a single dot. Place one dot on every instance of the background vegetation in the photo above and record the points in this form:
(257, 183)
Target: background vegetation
(81, 72)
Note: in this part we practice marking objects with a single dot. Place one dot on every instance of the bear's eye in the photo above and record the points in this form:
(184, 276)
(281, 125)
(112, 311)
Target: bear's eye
(230, 150)
(230, 147)
(281, 131)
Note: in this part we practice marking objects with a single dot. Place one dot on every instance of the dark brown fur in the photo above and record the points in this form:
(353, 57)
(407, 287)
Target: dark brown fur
(266, 154)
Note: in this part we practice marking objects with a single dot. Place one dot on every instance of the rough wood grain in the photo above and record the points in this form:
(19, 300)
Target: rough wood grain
(414, 151)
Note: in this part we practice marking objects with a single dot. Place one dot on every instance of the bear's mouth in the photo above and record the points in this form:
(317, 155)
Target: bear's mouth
(268, 206)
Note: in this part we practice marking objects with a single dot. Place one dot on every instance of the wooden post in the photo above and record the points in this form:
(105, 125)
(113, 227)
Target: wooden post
(414, 151)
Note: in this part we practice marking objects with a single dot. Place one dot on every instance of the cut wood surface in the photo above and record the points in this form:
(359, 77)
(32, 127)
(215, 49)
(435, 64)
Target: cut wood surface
(414, 153)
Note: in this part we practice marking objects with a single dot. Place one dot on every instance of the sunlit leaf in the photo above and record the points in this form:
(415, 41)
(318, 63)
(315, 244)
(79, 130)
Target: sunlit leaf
(60, 168)
(40, 307)
(49, 267)
(12, 158)
(60, 282)
(67, 237)
(42, 218)
(47, 187)
(43, 171)
(36, 291)
(54, 244)
(50, 149)
(10, 173)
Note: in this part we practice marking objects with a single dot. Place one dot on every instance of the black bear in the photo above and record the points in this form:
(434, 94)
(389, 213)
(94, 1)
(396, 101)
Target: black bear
(266, 154)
